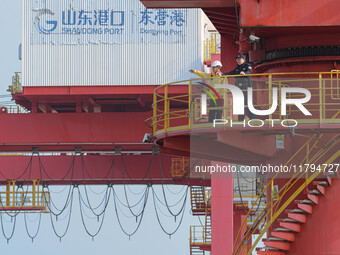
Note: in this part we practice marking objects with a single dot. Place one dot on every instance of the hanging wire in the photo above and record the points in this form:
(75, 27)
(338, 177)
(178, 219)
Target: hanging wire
(136, 193)
(68, 222)
(164, 196)
(159, 221)
(93, 235)
(28, 166)
(70, 192)
(58, 192)
(147, 173)
(97, 193)
(140, 218)
(176, 203)
(71, 169)
(86, 194)
(124, 170)
(175, 193)
(104, 202)
(38, 227)
(25, 196)
(13, 228)
(84, 203)
(106, 175)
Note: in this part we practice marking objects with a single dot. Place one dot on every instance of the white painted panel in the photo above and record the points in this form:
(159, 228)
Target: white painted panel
(103, 42)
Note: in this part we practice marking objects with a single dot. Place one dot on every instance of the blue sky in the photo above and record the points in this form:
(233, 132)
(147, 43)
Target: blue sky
(149, 239)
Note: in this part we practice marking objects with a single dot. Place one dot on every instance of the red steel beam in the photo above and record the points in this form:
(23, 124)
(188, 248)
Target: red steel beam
(289, 13)
(96, 90)
(227, 13)
(59, 131)
(95, 169)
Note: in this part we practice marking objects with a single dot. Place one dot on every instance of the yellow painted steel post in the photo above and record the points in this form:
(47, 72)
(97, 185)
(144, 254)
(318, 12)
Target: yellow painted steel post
(270, 92)
(33, 192)
(279, 96)
(320, 99)
(252, 187)
(154, 119)
(324, 98)
(337, 85)
(212, 45)
(38, 192)
(189, 105)
(8, 194)
(307, 158)
(245, 248)
(166, 110)
(13, 192)
(271, 202)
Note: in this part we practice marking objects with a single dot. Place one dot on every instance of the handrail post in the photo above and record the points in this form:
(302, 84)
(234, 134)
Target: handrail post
(324, 98)
(271, 201)
(13, 192)
(33, 192)
(38, 192)
(270, 92)
(8, 193)
(320, 99)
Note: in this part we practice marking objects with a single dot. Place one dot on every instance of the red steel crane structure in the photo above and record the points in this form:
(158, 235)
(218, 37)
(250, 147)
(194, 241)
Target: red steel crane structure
(289, 43)
(283, 40)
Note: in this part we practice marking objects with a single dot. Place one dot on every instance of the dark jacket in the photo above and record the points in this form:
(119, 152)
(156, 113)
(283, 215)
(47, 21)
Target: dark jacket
(242, 82)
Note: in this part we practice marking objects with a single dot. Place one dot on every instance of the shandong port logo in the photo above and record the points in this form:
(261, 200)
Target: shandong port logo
(49, 25)
(238, 104)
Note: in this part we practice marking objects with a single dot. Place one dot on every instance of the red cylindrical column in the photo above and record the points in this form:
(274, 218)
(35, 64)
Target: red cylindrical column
(222, 215)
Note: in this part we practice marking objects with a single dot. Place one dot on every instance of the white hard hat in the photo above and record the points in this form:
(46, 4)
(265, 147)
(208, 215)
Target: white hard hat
(216, 63)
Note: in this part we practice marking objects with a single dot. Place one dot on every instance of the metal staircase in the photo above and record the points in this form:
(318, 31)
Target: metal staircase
(200, 236)
(280, 238)
(288, 211)
(200, 200)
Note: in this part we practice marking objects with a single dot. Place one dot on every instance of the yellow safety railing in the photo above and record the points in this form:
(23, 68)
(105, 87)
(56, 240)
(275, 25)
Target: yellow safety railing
(33, 199)
(179, 166)
(16, 84)
(200, 235)
(212, 46)
(200, 198)
(182, 112)
(335, 87)
(250, 187)
(274, 208)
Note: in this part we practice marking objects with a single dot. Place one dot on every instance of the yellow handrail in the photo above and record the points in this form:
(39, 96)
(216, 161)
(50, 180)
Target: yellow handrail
(290, 199)
(283, 191)
(33, 200)
(210, 46)
(16, 84)
(167, 117)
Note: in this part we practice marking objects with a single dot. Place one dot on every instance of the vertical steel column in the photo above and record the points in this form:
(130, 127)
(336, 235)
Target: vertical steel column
(8, 193)
(222, 215)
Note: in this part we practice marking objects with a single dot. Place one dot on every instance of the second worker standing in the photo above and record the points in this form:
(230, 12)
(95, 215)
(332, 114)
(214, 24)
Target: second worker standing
(243, 82)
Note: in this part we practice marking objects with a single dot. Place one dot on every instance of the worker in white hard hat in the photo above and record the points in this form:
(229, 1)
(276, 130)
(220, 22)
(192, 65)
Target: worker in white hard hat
(216, 70)
(214, 78)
